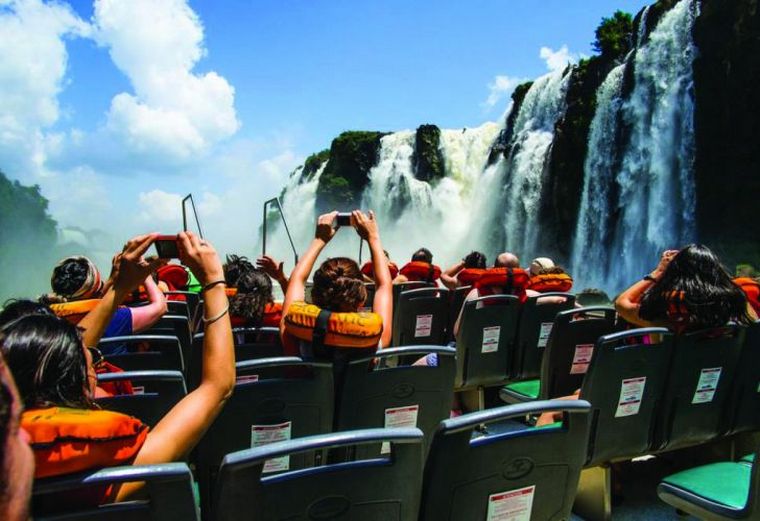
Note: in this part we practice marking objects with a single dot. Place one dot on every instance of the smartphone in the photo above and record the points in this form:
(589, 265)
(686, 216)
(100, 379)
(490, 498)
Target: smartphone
(343, 219)
(166, 247)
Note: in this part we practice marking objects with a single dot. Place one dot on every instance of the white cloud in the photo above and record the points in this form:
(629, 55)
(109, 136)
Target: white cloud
(559, 59)
(173, 113)
(500, 88)
(32, 71)
(158, 207)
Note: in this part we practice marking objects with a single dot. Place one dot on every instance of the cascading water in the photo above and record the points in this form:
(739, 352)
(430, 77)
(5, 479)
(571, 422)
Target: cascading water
(533, 134)
(652, 195)
(443, 215)
(592, 231)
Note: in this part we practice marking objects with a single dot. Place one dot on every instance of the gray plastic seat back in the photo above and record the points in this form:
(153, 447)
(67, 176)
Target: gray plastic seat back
(371, 490)
(401, 396)
(398, 289)
(421, 317)
(702, 374)
(570, 348)
(251, 343)
(485, 343)
(145, 353)
(178, 326)
(536, 322)
(273, 398)
(192, 299)
(745, 403)
(456, 299)
(536, 469)
(155, 393)
(625, 383)
(168, 491)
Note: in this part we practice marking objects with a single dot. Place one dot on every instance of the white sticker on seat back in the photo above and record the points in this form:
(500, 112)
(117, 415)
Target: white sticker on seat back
(266, 434)
(513, 505)
(423, 325)
(491, 339)
(543, 333)
(707, 385)
(582, 358)
(631, 392)
(399, 417)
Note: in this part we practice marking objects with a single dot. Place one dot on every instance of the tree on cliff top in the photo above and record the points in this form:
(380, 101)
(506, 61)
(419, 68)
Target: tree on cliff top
(614, 34)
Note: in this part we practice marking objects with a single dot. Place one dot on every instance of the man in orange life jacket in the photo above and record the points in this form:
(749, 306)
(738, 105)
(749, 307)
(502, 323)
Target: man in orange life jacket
(421, 268)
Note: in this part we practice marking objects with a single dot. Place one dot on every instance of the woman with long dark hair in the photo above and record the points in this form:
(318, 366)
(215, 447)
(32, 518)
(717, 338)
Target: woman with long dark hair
(254, 294)
(688, 290)
(54, 365)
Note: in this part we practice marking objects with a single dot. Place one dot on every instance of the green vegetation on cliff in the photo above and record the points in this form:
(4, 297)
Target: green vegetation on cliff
(427, 158)
(613, 36)
(313, 163)
(352, 155)
(501, 145)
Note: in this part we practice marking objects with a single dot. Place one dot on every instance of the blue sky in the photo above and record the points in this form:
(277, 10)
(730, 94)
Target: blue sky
(117, 108)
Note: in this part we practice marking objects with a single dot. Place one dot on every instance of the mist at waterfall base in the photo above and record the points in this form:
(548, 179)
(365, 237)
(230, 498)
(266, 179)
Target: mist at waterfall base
(637, 197)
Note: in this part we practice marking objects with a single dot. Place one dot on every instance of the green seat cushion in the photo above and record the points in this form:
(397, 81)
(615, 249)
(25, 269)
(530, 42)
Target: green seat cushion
(749, 458)
(726, 483)
(529, 388)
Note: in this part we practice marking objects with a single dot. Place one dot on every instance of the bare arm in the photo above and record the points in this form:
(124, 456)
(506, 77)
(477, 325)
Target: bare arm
(145, 316)
(449, 277)
(297, 283)
(366, 227)
(628, 302)
(274, 269)
(184, 425)
(129, 270)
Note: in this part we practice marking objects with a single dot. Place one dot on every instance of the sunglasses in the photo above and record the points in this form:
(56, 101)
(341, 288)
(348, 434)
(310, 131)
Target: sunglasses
(97, 356)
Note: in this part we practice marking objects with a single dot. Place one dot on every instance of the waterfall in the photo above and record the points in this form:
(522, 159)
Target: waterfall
(592, 230)
(533, 134)
(620, 238)
(446, 215)
(656, 199)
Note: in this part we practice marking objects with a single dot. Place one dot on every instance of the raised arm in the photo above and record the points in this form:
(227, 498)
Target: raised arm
(366, 227)
(129, 270)
(297, 283)
(449, 277)
(183, 426)
(273, 268)
(144, 317)
(629, 301)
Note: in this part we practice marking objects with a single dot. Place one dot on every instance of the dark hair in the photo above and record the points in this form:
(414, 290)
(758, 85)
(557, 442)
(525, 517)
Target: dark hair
(6, 411)
(704, 288)
(16, 308)
(423, 255)
(47, 360)
(338, 285)
(592, 297)
(475, 259)
(69, 276)
(234, 268)
(254, 292)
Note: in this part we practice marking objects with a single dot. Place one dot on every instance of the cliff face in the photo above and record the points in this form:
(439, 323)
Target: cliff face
(428, 160)
(561, 194)
(352, 155)
(727, 121)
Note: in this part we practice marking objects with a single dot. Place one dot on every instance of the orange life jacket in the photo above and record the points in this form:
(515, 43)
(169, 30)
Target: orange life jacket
(508, 281)
(469, 276)
(368, 269)
(76, 310)
(344, 330)
(421, 271)
(231, 292)
(548, 282)
(72, 440)
(751, 288)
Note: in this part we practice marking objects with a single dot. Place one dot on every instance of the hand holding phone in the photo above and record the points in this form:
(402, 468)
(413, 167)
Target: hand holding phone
(166, 247)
